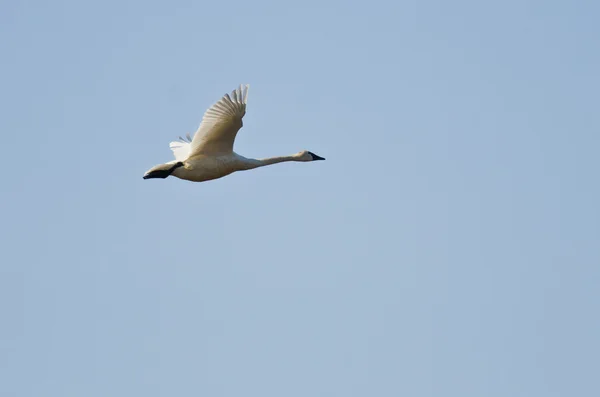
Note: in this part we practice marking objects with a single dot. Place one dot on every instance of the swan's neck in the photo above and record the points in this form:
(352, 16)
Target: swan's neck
(255, 163)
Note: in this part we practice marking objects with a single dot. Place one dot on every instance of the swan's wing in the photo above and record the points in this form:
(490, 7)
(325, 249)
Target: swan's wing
(220, 125)
(181, 148)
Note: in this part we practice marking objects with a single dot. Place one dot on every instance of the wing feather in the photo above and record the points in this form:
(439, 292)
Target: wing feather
(218, 129)
(181, 149)
(220, 124)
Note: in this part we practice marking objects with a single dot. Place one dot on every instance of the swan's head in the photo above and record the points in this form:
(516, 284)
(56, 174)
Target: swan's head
(305, 155)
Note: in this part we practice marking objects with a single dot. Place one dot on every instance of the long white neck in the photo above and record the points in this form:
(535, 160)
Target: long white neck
(255, 163)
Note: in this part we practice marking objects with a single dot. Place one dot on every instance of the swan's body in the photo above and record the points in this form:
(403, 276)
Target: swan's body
(209, 154)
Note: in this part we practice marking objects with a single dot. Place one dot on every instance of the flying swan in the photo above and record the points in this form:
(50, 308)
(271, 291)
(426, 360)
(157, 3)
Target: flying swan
(209, 154)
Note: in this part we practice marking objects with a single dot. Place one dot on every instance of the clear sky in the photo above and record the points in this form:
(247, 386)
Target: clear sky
(449, 246)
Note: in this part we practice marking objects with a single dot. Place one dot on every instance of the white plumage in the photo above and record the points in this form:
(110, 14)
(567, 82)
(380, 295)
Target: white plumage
(209, 153)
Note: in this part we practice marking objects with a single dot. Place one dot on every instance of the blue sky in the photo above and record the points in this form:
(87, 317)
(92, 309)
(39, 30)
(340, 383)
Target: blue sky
(447, 247)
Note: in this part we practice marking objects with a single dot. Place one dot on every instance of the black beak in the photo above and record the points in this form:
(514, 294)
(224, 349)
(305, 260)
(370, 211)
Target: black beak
(315, 157)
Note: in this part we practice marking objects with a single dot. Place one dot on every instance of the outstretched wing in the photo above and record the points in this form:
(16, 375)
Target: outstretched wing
(219, 126)
(181, 148)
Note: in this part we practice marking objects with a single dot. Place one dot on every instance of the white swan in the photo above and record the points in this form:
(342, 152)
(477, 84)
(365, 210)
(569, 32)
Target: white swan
(209, 154)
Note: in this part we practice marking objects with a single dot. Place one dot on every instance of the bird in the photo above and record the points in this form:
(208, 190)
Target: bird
(209, 153)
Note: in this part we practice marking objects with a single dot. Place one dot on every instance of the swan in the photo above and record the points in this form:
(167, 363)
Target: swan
(209, 154)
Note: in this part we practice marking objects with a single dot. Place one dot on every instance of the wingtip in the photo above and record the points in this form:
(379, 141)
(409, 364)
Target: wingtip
(240, 94)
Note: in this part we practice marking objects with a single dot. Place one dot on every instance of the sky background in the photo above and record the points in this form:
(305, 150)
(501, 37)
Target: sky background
(449, 245)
